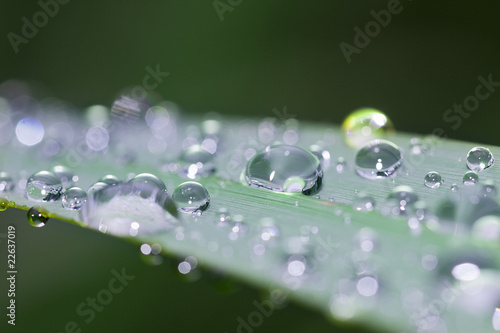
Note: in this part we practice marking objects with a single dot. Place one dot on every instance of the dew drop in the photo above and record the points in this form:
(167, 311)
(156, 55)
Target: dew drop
(4, 204)
(487, 227)
(466, 271)
(284, 168)
(195, 162)
(43, 186)
(489, 189)
(340, 165)
(378, 159)
(147, 178)
(296, 265)
(38, 216)
(64, 174)
(96, 187)
(323, 155)
(454, 187)
(110, 180)
(364, 125)
(367, 286)
(364, 203)
(74, 198)
(404, 196)
(433, 179)
(191, 197)
(479, 158)
(6, 182)
(470, 178)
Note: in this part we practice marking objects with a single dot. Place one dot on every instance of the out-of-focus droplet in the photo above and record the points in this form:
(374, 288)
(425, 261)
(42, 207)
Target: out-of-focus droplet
(38, 216)
(323, 155)
(29, 131)
(470, 178)
(367, 286)
(404, 196)
(378, 159)
(487, 227)
(268, 232)
(365, 125)
(284, 168)
(110, 180)
(454, 187)
(364, 202)
(496, 319)
(433, 179)
(466, 271)
(489, 189)
(97, 115)
(191, 197)
(196, 162)
(64, 174)
(340, 165)
(479, 158)
(296, 265)
(6, 182)
(74, 198)
(417, 146)
(43, 186)
(96, 187)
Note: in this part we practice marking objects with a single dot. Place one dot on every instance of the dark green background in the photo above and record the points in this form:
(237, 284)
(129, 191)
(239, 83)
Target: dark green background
(265, 54)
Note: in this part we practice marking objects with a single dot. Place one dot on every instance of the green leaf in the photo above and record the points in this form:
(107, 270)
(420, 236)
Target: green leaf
(386, 272)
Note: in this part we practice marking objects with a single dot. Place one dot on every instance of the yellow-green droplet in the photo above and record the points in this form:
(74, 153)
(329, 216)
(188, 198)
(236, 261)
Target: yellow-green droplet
(38, 216)
(364, 125)
(4, 204)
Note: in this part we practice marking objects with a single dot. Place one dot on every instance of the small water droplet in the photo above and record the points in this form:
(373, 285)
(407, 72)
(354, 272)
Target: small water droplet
(43, 186)
(378, 159)
(340, 165)
(454, 187)
(489, 188)
(433, 179)
(404, 196)
(6, 182)
(417, 146)
(479, 158)
(196, 162)
(367, 286)
(95, 188)
(74, 198)
(284, 168)
(470, 178)
(296, 265)
(364, 203)
(322, 154)
(4, 204)
(38, 216)
(191, 197)
(363, 125)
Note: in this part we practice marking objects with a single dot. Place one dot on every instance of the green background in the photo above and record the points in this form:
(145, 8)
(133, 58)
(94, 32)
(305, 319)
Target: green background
(263, 55)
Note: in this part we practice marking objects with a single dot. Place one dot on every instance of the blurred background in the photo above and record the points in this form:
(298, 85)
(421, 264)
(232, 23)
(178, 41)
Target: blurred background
(236, 57)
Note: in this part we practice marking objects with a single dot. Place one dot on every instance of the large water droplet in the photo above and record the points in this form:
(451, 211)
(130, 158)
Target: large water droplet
(433, 179)
(378, 159)
(470, 178)
(43, 186)
(147, 178)
(479, 158)
(129, 209)
(365, 125)
(74, 198)
(196, 162)
(110, 180)
(66, 176)
(284, 168)
(191, 197)
(6, 182)
(38, 216)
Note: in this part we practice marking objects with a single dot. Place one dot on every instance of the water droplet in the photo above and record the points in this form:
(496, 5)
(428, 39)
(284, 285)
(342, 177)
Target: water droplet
(496, 319)
(340, 165)
(417, 146)
(364, 203)
(284, 168)
(364, 125)
(454, 187)
(489, 188)
(43, 186)
(470, 178)
(404, 196)
(191, 197)
(4, 204)
(487, 227)
(110, 180)
(466, 272)
(38, 216)
(64, 174)
(296, 265)
(6, 182)
(367, 286)
(323, 155)
(433, 179)
(147, 178)
(195, 162)
(268, 232)
(378, 159)
(74, 198)
(96, 187)
(479, 158)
